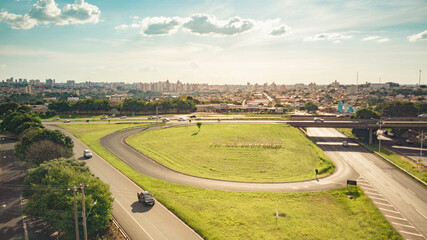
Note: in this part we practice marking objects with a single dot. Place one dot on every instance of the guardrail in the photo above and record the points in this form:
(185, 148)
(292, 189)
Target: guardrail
(121, 230)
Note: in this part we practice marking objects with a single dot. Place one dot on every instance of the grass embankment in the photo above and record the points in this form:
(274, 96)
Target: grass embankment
(391, 155)
(241, 152)
(236, 215)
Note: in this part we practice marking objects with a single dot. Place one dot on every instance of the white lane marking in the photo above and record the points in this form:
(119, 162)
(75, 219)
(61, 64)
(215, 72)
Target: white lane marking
(382, 199)
(130, 215)
(388, 210)
(411, 233)
(412, 192)
(373, 193)
(404, 225)
(421, 213)
(382, 204)
(295, 187)
(396, 217)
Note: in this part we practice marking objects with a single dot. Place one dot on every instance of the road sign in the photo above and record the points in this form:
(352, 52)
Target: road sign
(419, 136)
(351, 182)
(419, 160)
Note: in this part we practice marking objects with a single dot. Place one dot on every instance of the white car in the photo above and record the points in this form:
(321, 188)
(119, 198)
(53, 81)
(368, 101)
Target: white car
(104, 117)
(57, 118)
(165, 120)
(87, 153)
(182, 119)
(422, 115)
(123, 117)
(66, 121)
(345, 144)
(318, 120)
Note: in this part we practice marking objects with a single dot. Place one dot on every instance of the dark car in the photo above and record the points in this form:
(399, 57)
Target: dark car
(146, 198)
(192, 116)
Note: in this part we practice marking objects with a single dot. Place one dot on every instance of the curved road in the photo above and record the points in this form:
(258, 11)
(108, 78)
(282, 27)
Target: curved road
(116, 144)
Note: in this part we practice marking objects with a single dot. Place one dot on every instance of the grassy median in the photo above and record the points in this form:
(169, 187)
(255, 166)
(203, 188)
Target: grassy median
(237, 152)
(238, 215)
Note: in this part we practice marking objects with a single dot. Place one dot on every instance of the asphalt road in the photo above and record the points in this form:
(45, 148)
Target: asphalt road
(116, 144)
(402, 200)
(138, 221)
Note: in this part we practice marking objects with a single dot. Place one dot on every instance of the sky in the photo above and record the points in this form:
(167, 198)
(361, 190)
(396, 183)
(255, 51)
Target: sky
(214, 41)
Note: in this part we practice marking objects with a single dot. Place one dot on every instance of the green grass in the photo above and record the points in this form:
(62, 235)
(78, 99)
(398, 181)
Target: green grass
(391, 155)
(212, 152)
(236, 215)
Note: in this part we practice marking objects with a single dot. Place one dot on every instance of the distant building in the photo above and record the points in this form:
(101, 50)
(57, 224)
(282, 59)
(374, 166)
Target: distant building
(50, 82)
(376, 86)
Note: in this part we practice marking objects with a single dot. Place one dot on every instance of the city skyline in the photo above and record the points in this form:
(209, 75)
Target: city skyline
(214, 42)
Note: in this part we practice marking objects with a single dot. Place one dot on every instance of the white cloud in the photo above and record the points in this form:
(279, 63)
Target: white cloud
(2, 65)
(327, 36)
(47, 11)
(418, 37)
(370, 38)
(280, 31)
(203, 24)
(382, 40)
(159, 25)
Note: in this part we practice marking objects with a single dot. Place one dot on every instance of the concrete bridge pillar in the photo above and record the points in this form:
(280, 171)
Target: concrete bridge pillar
(370, 135)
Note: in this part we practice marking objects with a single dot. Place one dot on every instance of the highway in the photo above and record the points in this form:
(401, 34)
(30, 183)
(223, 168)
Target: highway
(402, 200)
(138, 221)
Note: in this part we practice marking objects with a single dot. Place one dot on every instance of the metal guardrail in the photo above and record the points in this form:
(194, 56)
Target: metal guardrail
(121, 230)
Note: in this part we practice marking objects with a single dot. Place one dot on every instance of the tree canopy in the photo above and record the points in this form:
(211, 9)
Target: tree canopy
(17, 122)
(397, 109)
(366, 113)
(311, 107)
(50, 196)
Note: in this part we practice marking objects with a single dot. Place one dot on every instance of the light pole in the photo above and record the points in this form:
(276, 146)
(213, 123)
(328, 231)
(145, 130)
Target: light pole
(420, 161)
(380, 123)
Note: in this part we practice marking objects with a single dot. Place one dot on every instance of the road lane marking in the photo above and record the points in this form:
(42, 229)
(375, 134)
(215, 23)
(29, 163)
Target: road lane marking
(373, 193)
(421, 213)
(381, 199)
(396, 217)
(411, 233)
(412, 192)
(404, 225)
(382, 204)
(388, 210)
(130, 215)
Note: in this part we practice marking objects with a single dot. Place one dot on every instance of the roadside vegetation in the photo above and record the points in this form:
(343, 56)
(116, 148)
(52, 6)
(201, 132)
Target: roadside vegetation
(237, 152)
(238, 215)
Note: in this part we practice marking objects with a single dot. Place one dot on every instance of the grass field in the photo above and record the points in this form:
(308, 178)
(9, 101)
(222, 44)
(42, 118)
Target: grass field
(396, 158)
(240, 152)
(237, 215)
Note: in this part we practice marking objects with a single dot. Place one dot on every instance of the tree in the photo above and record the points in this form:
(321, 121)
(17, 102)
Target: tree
(199, 125)
(4, 107)
(51, 198)
(13, 121)
(366, 113)
(397, 109)
(44, 150)
(311, 107)
(35, 135)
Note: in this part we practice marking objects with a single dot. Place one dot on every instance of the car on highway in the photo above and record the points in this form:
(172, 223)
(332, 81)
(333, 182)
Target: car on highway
(345, 144)
(146, 198)
(154, 117)
(182, 119)
(340, 116)
(192, 116)
(57, 118)
(104, 117)
(422, 115)
(123, 117)
(165, 120)
(67, 121)
(87, 153)
(318, 120)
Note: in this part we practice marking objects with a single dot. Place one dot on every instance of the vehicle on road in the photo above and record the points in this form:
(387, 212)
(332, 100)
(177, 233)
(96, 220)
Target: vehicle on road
(123, 117)
(409, 141)
(154, 117)
(340, 116)
(165, 120)
(182, 119)
(146, 198)
(104, 117)
(192, 116)
(422, 115)
(87, 153)
(57, 118)
(318, 120)
(345, 144)
(67, 121)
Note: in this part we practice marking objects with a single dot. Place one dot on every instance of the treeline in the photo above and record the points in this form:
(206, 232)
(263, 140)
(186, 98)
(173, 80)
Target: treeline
(140, 106)
(49, 183)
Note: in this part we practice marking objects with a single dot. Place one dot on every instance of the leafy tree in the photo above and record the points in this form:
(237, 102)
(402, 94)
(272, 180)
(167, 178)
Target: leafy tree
(421, 107)
(311, 107)
(51, 198)
(366, 113)
(397, 109)
(199, 125)
(5, 107)
(60, 106)
(44, 150)
(13, 121)
(35, 135)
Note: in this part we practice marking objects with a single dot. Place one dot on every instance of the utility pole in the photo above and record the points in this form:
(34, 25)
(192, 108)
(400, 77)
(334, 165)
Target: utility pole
(357, 83)
(76, 221)
(419, 80)
(84, 212)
